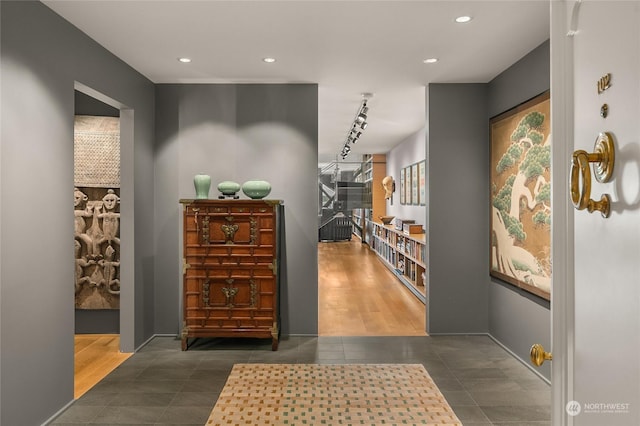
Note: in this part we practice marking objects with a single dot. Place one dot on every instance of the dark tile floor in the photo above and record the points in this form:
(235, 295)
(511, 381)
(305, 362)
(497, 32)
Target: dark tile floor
(162, 385)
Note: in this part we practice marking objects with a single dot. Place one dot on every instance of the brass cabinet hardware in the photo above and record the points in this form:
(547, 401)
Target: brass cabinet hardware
(229, 232)
(539, 356)
(195, 218)
(230, 293)
(603, 158)
(253, 231)
(205, 230)
(205, 292)
(254, 293)
(274, 266)
(604, 83)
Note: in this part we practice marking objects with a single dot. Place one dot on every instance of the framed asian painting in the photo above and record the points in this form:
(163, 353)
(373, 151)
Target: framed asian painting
(402, 183)
(407, 185)
(422, 180)
(414, 184)
(520, 197)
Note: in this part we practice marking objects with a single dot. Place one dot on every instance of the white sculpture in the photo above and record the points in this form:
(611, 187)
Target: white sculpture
(389, 186)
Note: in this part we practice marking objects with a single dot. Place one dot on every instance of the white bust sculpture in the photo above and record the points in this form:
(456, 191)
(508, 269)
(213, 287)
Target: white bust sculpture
(389, 186)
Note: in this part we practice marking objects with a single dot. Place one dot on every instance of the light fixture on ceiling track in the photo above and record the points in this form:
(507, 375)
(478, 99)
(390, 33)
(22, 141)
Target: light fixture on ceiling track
(358, 126)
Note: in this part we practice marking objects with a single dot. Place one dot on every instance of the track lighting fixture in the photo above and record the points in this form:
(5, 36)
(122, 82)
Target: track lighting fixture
(363, 114)
(359, 124)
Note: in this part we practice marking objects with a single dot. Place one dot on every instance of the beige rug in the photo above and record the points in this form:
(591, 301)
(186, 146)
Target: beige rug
(311, 394)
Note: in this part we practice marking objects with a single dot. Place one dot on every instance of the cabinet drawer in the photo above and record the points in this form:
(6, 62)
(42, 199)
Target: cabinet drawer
(220, 229)
(253, 292)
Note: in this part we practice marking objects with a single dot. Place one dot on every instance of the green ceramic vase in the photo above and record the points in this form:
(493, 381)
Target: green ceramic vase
(256, 189)
(202, 184)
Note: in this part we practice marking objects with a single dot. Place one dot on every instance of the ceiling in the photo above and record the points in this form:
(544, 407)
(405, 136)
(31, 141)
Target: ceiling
(347, 47)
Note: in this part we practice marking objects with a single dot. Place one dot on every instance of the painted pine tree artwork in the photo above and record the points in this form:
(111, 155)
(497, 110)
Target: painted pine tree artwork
(521, 196)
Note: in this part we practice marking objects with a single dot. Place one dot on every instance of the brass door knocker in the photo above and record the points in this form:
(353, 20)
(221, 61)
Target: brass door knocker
(604, 159)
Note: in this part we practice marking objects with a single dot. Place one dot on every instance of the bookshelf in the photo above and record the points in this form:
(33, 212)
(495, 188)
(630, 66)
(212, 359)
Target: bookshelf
(404, 254)
(371, 173)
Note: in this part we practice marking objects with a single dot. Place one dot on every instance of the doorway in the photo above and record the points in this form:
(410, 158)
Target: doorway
(358, 295)
(103, 129)
(97, 215)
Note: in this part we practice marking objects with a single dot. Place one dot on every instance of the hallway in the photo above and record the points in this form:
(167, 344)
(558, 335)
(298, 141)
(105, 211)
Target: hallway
(359, 296)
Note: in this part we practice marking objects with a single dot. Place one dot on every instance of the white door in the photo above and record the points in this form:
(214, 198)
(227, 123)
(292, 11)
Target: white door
(596, 293)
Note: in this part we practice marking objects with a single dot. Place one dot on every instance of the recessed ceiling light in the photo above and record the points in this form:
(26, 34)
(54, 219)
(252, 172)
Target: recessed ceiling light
(269, 60)
(430, 60)
(184, 60)
(463, 19)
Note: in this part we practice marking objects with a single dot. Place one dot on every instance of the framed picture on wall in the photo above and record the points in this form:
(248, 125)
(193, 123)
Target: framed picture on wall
(520, 198)
(407, 185)
(414, 184)
(402, 183)
(422, 179)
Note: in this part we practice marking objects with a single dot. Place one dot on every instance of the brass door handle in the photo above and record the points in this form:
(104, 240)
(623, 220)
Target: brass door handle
(603, 158)
(538, 355)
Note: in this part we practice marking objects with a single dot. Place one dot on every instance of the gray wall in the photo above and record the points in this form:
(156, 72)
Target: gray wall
(457, 208)
(518, 319)
(42, 57)
(240, 132)
(407, 152)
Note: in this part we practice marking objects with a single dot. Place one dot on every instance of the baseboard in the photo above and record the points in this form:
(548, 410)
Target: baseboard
(153, 336)
(58, 413)
(459, 334)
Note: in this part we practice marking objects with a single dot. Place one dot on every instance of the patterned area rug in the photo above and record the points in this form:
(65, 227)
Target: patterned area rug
(351, 394)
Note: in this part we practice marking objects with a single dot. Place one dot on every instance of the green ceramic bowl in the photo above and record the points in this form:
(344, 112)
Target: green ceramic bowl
(228, 187)
(256, 189)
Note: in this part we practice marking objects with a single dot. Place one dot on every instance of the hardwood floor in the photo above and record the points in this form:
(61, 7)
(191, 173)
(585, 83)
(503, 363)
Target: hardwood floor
(359, 296)
(96, 355)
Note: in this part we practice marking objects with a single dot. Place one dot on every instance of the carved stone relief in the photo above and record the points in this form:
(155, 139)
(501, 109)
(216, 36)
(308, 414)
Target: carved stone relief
(97, 248)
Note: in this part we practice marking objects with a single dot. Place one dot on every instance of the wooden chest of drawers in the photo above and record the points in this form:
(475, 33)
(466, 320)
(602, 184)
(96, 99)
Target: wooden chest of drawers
(230, 286)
